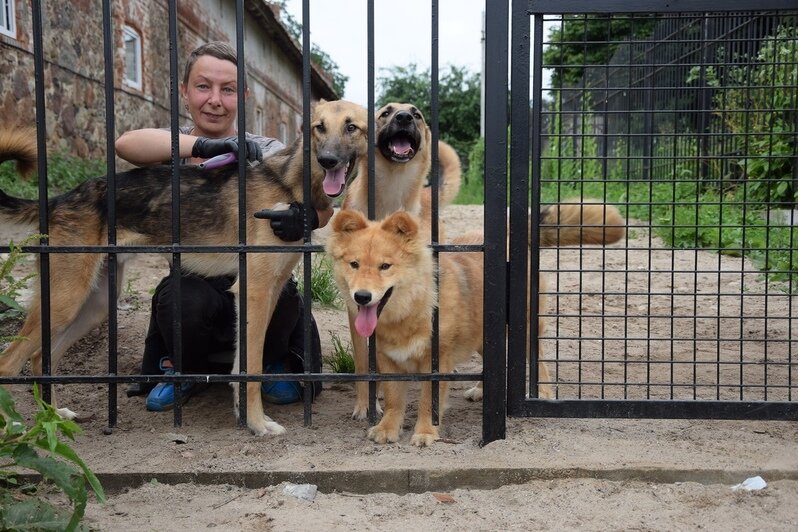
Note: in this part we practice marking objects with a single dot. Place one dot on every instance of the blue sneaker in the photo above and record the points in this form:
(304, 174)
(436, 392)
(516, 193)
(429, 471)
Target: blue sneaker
(162, 397)
(280, 392)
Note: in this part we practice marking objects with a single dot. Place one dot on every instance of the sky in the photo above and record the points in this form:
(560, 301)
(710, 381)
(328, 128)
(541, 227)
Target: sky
(402, 35)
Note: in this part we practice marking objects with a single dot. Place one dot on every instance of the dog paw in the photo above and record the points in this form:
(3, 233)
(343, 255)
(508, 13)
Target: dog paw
(424, 439)
(474, 394)
(66, 413)
(380, 434)
(361, 411)
(265, 426)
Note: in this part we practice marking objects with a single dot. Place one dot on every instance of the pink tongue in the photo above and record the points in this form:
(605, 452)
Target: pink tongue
(334, 181)
(366, 320)
(401, 147)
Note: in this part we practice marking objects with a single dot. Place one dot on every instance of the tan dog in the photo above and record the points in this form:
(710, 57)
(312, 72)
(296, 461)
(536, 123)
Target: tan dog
(402, 164)
(386, 272)
(209, 215)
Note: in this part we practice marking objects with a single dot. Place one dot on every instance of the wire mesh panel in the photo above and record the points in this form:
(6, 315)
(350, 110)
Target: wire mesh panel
(686, 123)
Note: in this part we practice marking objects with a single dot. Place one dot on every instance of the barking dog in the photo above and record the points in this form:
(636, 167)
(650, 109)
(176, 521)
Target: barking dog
(209, 200)
(402, 164)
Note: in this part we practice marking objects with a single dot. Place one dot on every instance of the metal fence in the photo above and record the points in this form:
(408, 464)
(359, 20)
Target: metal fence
(687, 122)
(693, 314)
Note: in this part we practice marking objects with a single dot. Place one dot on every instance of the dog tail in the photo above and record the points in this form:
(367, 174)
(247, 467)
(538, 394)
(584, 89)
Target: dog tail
(18, 145)
(580, 221)
(450, 173)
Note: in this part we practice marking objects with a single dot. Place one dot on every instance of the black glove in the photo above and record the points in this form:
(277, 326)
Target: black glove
(206, 148)
(288, 225)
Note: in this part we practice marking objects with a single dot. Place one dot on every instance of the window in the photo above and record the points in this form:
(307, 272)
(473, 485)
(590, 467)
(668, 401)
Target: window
(132, 57)
(8, 24)
(259, 121)
(284, 133)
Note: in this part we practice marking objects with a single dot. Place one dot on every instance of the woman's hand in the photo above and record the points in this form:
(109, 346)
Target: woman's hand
(205, 148)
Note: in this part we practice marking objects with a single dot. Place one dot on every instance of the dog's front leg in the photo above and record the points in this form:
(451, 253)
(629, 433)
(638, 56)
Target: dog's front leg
(261, 300)
(360, 347)
(388, 429)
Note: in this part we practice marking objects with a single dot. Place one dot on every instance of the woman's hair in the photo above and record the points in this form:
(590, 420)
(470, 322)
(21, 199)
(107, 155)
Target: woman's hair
(218, 49)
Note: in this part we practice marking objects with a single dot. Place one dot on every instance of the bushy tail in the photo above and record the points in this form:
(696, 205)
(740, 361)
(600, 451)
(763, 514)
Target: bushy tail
(18, 145)
(580, 221)
(450, 173)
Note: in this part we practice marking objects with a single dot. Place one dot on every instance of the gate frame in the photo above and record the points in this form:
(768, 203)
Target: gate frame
(518, 404)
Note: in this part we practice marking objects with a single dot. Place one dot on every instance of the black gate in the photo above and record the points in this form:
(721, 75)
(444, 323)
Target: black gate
(683, 115)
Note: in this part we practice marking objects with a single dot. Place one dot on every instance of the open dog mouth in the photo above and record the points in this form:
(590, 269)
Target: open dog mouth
(335, 178)
(402, 147)
(367, 315)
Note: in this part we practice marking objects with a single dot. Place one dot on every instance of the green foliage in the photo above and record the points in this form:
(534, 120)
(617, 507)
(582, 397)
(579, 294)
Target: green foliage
(589, 40)
(64, 172)
(11, 286)
(40, 449)
(341, 361)
(458, 100)
(317, 55)
(755, 102)
(472, 188)
(323, 288)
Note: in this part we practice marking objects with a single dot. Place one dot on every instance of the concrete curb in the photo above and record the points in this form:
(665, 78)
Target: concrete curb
(423, 480)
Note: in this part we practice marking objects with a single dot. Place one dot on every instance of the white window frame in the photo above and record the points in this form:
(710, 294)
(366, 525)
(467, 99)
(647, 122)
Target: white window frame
(8, 24)
(259, 125)
(130, 32)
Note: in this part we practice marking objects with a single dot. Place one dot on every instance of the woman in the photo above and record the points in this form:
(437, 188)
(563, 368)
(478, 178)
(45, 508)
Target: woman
(210, 92)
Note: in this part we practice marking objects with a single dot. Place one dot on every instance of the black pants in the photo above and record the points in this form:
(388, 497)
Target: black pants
(209, 325)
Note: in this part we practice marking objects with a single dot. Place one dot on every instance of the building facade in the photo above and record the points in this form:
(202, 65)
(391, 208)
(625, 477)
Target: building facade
(72, 34)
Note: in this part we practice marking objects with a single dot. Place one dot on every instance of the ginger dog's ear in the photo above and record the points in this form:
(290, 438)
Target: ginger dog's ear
(401, 223)
(349, 221)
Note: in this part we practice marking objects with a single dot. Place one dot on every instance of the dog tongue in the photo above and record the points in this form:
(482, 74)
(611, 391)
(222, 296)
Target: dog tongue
(366, 320)
(401, 147)
(334, 181)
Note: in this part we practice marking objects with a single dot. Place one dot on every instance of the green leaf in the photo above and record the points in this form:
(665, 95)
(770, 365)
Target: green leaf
(63, 475)
(68, 453)
(30, 514)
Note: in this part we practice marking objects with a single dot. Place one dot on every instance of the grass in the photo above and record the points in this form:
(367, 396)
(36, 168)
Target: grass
(341, 360)
(64, 172)
(323, 288)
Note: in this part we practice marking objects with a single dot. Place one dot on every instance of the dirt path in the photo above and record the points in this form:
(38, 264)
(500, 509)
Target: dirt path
(620, 309)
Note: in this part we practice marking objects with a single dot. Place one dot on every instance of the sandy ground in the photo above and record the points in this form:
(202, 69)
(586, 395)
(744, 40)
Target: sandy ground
(635, 320)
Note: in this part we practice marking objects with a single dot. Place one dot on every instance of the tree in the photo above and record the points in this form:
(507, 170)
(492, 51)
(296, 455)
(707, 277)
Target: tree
(318, 56)
(584, 40)
(458, 100)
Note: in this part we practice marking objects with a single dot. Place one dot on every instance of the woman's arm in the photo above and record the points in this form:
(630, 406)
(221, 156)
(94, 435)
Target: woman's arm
(149, 146)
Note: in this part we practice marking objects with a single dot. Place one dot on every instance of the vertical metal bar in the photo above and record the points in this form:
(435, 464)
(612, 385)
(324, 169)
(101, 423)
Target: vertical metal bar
(434, 182)
(306, 256)
(41, 149)
(523, 278)
(113, 330)
(372, 191)
(243, 284)
(174, 98)
(494, 405)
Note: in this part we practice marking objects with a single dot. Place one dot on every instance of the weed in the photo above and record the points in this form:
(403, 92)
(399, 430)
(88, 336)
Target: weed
(40, 449)
(341, 361)
(323, 288)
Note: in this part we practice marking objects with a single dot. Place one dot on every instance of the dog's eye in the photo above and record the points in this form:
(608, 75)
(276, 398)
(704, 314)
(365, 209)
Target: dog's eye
(320, 128)
(417, 116)
(384, 266)
(385, 114)
(351, 128)
(354, 264)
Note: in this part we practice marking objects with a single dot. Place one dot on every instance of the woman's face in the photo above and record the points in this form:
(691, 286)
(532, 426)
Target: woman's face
(211, 95)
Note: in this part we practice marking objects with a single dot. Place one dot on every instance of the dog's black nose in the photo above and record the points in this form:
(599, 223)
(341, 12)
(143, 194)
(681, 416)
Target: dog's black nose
(403, 118)
(362, 297)
(327, 161)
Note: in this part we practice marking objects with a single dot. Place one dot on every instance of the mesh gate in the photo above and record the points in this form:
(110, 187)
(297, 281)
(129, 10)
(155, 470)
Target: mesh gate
(686, 121)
